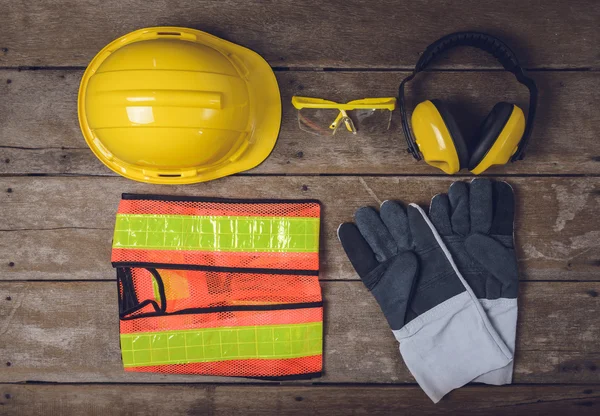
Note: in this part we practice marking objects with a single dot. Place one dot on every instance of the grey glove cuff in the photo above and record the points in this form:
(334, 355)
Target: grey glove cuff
(453, 343)
(483, 316)
(503, 315)
(448, 346)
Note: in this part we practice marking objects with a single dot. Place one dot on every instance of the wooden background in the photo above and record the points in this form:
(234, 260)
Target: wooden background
(59, 349)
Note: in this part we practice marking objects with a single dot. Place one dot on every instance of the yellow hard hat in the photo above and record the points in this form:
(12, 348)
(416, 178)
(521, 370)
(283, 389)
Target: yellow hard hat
(172, 105)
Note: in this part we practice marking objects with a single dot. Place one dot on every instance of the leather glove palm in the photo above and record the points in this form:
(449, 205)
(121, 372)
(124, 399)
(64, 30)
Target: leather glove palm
(475, 222)
(445, 337)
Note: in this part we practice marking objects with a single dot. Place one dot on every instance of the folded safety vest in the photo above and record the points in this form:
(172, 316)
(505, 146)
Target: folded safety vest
(219, 287)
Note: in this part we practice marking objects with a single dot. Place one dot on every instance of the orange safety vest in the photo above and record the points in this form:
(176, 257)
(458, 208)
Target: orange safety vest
(219, 287)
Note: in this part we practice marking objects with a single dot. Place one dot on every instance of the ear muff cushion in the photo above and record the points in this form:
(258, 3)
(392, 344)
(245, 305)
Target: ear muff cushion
(489, 131)
(459, 142)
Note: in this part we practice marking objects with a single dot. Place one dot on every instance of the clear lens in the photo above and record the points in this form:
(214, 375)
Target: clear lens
(321, 121)
(371, 121)
(318, 120)
(346, 122)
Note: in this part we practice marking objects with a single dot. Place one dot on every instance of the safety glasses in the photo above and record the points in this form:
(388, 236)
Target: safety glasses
(325, 118)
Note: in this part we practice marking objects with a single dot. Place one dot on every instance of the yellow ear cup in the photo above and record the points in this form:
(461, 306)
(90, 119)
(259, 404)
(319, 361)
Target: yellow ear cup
(506, 144)
(433, 138)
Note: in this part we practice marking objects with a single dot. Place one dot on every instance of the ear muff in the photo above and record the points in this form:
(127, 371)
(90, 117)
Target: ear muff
(499, 137)
(438, 137)
(455, 134)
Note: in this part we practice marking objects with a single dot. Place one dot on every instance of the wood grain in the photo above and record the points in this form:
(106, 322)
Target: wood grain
(194, 399)
(40, 133)
(58, 311)
(61, 228)
(68, 332)
(339, 33)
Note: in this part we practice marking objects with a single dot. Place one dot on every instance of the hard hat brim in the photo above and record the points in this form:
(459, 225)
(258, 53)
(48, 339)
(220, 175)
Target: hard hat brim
(264, 97)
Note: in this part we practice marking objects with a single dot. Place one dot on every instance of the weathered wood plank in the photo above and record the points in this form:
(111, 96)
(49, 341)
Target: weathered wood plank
(42, 135)
(309, 33)
(196, 399)
(68, 332)
(61, 228)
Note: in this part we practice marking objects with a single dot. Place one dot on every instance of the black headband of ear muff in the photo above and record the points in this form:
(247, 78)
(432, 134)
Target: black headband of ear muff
(487, 43)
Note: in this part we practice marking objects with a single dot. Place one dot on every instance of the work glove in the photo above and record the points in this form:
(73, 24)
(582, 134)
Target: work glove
(475, 222)
(445, 337)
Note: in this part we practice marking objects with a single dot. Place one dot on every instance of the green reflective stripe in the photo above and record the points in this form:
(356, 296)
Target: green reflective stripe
(244, 234)
(220, 344)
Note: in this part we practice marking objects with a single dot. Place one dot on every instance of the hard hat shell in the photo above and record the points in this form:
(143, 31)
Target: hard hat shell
(172, 105)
